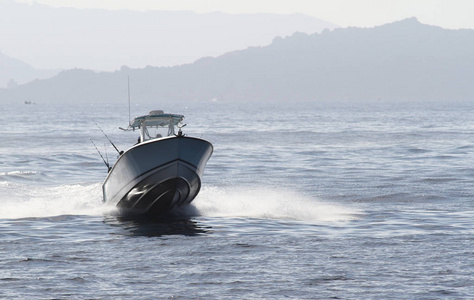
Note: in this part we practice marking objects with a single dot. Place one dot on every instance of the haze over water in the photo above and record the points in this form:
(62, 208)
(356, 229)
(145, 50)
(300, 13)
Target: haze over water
(304, 201)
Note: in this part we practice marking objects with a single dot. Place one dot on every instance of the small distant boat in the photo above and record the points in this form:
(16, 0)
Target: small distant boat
(161, 171)
(27, 102)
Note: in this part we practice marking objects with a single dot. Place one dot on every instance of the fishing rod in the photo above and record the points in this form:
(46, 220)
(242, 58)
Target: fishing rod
(106, 156)
(118, 151)
(103, 159)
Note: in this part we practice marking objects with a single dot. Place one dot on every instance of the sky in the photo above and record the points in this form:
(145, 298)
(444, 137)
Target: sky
(451, 14)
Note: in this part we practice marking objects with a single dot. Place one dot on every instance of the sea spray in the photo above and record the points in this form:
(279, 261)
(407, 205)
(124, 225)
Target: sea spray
(268, 203)
(19, 200)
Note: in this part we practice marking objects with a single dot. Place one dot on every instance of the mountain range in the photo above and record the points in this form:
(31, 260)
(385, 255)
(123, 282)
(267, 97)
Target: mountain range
(400, 61)
(104, 40)
(14, 72)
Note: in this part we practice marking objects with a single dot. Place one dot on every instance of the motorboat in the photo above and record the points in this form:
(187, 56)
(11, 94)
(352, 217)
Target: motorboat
(161, 171)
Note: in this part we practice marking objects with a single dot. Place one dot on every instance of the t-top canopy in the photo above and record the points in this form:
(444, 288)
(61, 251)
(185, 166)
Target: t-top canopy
(156, 118)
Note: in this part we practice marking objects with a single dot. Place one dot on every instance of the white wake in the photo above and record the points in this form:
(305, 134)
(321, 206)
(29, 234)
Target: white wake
(18, 200)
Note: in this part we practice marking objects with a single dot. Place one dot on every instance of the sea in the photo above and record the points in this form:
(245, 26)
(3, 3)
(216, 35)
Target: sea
(320, 200)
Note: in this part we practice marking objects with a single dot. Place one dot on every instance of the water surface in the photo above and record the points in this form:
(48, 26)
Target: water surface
(341, 201)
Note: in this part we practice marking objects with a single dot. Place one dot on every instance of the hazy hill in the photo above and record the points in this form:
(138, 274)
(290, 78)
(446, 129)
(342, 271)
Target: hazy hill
(14, 71)
(65, 38)
(404, 60)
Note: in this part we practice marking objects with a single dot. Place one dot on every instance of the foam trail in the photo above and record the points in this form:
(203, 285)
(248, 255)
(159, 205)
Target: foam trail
(266, 203)
(19, 200)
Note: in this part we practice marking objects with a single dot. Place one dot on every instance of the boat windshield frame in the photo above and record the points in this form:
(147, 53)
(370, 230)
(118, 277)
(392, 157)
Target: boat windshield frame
(152, 120)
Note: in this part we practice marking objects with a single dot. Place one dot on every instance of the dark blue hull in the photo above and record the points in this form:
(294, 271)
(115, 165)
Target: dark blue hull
(157, 176)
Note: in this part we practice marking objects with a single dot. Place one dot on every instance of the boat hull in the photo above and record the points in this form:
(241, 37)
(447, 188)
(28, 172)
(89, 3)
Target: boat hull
(156, 176)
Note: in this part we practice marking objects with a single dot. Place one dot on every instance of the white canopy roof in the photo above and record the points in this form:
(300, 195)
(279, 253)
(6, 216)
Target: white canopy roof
(156, 118)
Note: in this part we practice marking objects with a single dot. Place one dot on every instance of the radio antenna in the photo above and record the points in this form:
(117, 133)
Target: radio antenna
(128, 82)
